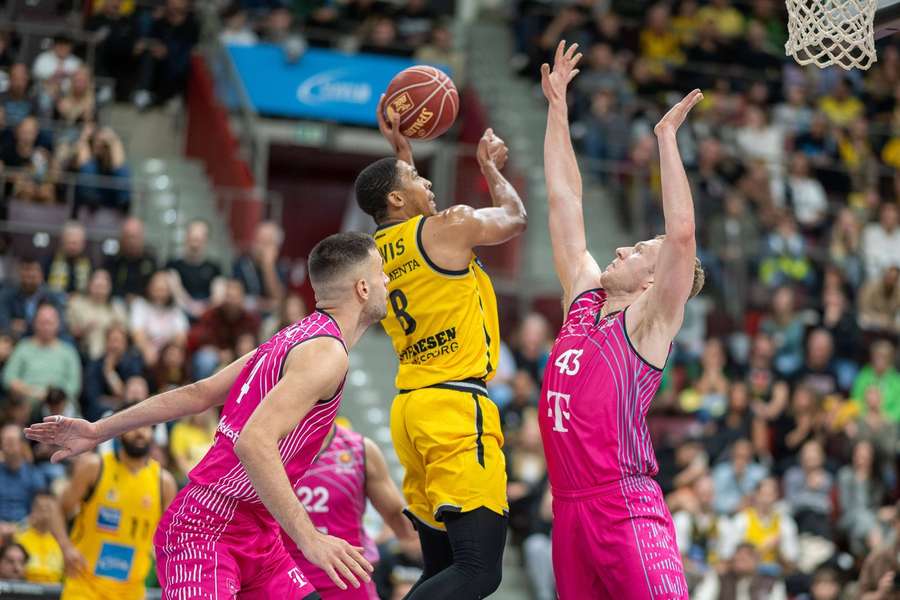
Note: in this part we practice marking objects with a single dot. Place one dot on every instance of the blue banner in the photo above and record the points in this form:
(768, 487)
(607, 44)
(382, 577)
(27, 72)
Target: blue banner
(323, 84)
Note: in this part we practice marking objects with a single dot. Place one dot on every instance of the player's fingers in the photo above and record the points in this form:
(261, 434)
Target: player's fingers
(559, 50)
(577, 58)
(347, 575)
(545, 70)
(573, 74)
(571, 50)
(332, 574)
(60, 455)
(356, 554)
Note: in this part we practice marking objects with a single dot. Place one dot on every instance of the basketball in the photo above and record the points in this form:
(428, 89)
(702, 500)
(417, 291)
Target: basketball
(426, 101)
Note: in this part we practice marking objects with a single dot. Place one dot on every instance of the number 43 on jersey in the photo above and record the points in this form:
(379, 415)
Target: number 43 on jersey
(569, 364)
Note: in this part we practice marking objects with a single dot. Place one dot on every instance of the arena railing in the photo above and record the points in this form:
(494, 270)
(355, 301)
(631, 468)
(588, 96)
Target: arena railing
(33, 33)
(21, 590)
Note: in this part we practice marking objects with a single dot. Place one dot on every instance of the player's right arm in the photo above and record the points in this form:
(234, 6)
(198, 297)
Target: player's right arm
(75, 436)
(313, 372)
(384, 495)
(576, 268)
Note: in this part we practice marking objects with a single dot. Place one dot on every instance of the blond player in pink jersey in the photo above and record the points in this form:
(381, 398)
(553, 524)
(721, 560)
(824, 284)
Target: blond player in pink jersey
(613, 536)
(220, 537)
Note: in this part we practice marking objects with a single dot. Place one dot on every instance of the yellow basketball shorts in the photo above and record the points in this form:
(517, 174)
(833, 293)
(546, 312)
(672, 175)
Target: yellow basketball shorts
(448, 438)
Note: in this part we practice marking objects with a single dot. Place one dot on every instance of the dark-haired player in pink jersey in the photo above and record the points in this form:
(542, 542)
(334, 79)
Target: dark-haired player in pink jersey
(348, 470)
(220, 537)
(613, 536)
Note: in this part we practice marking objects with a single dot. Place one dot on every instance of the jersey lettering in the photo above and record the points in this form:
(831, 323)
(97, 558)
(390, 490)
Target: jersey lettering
(400, 304)
(314, 500)
(568, 362)
(557, 411)
(246, 387)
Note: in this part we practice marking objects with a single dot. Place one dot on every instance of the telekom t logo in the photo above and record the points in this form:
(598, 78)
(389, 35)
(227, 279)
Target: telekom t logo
(559, 410)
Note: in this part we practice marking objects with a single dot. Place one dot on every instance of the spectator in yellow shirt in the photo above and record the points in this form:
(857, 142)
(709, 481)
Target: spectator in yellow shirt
(659, 43)
(45, 558)
(729, 21)
(841, 107)
(190, 439)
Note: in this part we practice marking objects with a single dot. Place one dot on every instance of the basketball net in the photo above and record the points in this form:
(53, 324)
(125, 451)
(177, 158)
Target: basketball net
(832, 32)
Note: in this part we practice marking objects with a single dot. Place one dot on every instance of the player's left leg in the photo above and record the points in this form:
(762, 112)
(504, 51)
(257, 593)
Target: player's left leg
(437, 554)
(477, 538)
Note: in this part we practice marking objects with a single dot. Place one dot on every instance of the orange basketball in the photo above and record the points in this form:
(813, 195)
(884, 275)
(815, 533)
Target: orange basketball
(426, 100)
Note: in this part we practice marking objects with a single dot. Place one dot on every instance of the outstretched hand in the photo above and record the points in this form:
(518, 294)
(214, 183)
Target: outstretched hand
(556, 82)
(673, 119)
(391, 132)
(74, 436)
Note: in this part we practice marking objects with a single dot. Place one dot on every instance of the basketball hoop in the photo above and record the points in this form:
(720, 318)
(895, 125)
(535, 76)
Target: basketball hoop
(838, 32)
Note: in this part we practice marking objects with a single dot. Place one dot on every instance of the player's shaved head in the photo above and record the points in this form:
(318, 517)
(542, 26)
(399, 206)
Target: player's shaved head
(336, 256)
(374, 184)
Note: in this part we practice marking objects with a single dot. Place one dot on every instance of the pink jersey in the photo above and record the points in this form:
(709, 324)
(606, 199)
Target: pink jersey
(594, 401)
(333, 491)
(220, 470)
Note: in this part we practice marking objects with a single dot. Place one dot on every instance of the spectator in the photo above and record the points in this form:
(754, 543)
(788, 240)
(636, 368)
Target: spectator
(77, 105)
(236, 32)
(194, 272)
(786, 327)
(36, 171)
(841, 106)
(114, 52)
(659, 43)
(103, 174)
(793, 115)
(527, 470)
(698, 531)
(212, 340)
(164, 54)
(260, 270)
(741, 579)
(879, 303)
(19, 304)
(736, 424)
(533, 347)
(133, 266)
(42, 361)
(818, 372)
(19, 480)
(712, 386)
(838, 320)
(13, 559)
(759, 140)
(861, 494)
(803, 194)
(414, 22)
(826, 585)
(381, 38)
(293, 308)
(69, 269)
(872, 425)
(442, 51)
(736, 479)
(45, 557)
(90, 315)
(171, 370)
(606, 134)
(785, 260)
(17, 101)
(190, 439)
(53, 67)
(105, 377)
(795, 427)
(881, 241)
(876, 580)
(845, 246)
(728, 20)
(536, 550)
(157, 320)
(807, 491)
(765, 526)
(880, 373)
(734, 241)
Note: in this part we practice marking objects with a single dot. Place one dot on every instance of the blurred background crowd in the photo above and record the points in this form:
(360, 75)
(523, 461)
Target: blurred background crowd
(778, 421)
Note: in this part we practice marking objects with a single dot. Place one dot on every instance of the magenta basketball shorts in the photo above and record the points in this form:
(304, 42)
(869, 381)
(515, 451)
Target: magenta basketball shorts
(616, 541)
(209, 546)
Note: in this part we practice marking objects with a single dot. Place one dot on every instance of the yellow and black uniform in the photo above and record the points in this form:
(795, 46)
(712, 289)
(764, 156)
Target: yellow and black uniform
(114, 531)
(445, 331)
(761, 531)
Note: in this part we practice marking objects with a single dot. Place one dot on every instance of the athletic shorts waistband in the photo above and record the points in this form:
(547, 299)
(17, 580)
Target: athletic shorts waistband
(469, 386)
(603, 489)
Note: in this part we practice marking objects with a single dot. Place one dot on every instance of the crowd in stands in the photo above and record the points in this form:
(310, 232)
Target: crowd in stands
(777, 422)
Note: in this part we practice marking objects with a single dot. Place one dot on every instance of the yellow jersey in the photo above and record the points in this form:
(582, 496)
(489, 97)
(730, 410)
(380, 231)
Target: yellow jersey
(45, 557)
(760, 531)
(443, 324)
(114, 530)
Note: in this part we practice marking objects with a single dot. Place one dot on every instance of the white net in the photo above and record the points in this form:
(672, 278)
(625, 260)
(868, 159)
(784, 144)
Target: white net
(832, 32)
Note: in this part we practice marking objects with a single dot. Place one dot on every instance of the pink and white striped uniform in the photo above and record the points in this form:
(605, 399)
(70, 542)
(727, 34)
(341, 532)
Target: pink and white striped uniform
(217, 539)
(613, 535)
(333, 491)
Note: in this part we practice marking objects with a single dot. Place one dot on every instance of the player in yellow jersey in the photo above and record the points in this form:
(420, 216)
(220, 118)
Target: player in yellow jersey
(442, 319)
(119, 498)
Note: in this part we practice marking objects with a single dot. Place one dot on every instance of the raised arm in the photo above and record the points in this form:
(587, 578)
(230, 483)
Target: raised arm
(663, 304)
(384, 495)
(313, 372)
(75, 436)
(576, 268)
